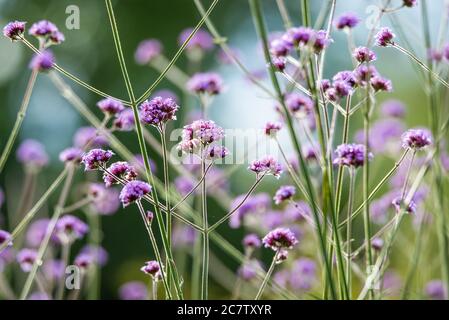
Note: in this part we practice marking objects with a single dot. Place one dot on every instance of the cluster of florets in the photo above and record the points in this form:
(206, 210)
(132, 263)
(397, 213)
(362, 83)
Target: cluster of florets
(14, 30)
(32, 154)
(280, 238)
(284, 193)
(119, 170)
(71, 155)
(42, 61)
(416, 139)
(205, 83)
(147, 50)
(158, 111)
(200, 134)
(271, 128)
(299, 104)
(351, 155)
(153, 269)
(46, 32)
(134, 191)
(96, 158)
(384, 37)
(110, 106)
(347, 20)
(69, 228)
(266, 165)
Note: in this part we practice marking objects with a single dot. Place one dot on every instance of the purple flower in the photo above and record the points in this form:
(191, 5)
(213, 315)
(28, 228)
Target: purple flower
(165, 94)
(253, 205)
(266, 165)
(384, 37)
(147, 50)
(347, 20)
(342, 89)
(345, 76)
(133, 290)
(216, 152)
(26, 258)
(200, 40)
(46, 31)
(279, 63)
(393, 108)
(284, 193)
(381, 84)
(124, 121)
(364, 54)
(98, 253)
(43, 61)
(184, 236)
(416, 139)
(436, 55)
(409, 3)
(89, 136)
(436, 290)
(280, 47)
(209, 82)
(14, 30)
(122, 170)
(280, 238)
(299, 104)
(5, 237)
(200, 132)
(96, 158)
(134, 191)
(303, 274)
(157, 111)
(301, 35)
(248, 270)
(321, 41)
(83, 261)
(384, 135)
(364, 73)
(351, 155)
(110, 106)
(153, 269)
(183, 185)
(105, 201)
(32, 153)
(53, 269)
(72, 154)
(36, 232)
(69, 228)
(296, 212)
(377, 244)
(398, 202)
(271, 128)
(252, 240)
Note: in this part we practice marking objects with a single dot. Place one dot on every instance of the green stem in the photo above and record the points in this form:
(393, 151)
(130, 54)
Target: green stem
(20, 117)
(267, 277)
(205, 270)
(349, 230)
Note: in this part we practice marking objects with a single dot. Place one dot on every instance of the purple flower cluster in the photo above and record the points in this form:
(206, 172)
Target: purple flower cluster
(153, 269)
(384, 37)
(26, 258)
(122, 170)
(252, 240)
(351, 155)
(89, 137)
(46, 32)
(215, 152)
(393, 108)
(271, 128)
(266, 165)
(364, 54)
(43, 61)
(147, 50)
(158, 111)
(32, 153)
(110, 106)
(70, 228)
(96, 158)
(124, 121)
(5, 237)
(200, 133)
(205, 83)
(284, 193)
(416, 139)
(347, 20)
(280, 238)
(133, 290)
(14, 30)
(299, 105)
(105, 201)
(71, 155)
(134, 191)
(201, 39)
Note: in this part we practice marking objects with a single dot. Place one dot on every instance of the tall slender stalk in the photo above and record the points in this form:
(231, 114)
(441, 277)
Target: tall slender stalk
(349, 230)
(205, 270)
(19, 120)
(267, 276)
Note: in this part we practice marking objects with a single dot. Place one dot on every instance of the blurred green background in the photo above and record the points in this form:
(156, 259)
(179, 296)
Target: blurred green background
(89, 53)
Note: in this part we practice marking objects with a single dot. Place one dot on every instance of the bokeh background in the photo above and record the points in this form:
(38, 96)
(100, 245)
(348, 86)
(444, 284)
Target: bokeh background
(89, 53)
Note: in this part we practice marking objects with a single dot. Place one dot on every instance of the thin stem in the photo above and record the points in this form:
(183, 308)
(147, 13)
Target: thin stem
(205, 270)
(20, 117)
(65, 256)
(349, 230)
(49, 231)
(154, 288)
(267, 276)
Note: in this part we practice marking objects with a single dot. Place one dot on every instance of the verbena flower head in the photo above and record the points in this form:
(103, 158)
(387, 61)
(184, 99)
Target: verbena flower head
(284, 193)
(201, 39)
(248, 270)
(384, 37)
(122, 170)
(72, 154)
(98, 253)
(32, 153)
(200, 132)
(398, 203)
(124, 121)
(416, 139)
(365, 73)
(14, 30)
(26, 258)
(435, 54)
(110, 106)
(134, 191)
(83, 261)
(436, 290)
(279, 63)
(46, 32)
(88, 136)
(147, 50)
(381, 84)
(271, 128)
(43, 61)
(153, 269)
(96, 158)
(266, 165)
(280, 47)
(5, 237)
(70, 228)
(36, 232)
(299, 104)
(409, 3)
(158, 111)
(215, 152)
(105, 201)
(54, 269)
(393, 108)
(377, 244)
(342, 89)
(351, 155)
(280, 238)
(205, 83)
(252, 240)
(322, 40)
(364, 54)
(133, 290)
(347, 20)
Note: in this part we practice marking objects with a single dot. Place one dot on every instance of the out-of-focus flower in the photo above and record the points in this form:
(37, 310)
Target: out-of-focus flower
(5, 237)
(416, 139)
(69, 228)
(96, 158)
(98, 253)
(381, 84)
(32, 153)
(255, 204)
(284, 193)
(384, 37)
(89, 136)
(201, 40)
(147, 50)
(134, 191)
(393, 108)
(124, 121)
(351, 155)
(303, 274)
(36, 232)
(409, 3)
(298, 104)
(122, 170)
(436, 290)
(208, 82)
(364, 54)
(53, 269)
(110, 106)
(83, 261)
(199, 132)
(71, 155)
(26, 258)
(46, 32)
(248, 270)
(377, 244)
(252, 240)
(133, 290)
(271, 128)
(105, 201)
(266, 165)
(43, 61)
(347, 20)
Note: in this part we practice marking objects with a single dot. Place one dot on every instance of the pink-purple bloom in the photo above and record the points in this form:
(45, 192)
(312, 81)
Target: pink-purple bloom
(124, 121)
(43, 61)
(299, 104)
(364, 54)
(14, 30)
(381, 84)
(284, 193)
(32, 153)
(47, 32)
(271, 128)
(251, 240)
(134, 191)
(153, 269)
(216, 152)
(110, 106)
(200, 132)
(96, 158)
(266, 165)
(416, 139)
(384, 37)
(280, 238)
(133, 290)
(89, 136)
(26, 258)
(393, 108)
(70, 228)
(351, 155)
(147, 50)
(122, 170)
(71, 155)
(158, 111)
(205, 83)
(436, 290)
(200, 40)
(105, 201)
(5, 237)
(347, 20)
